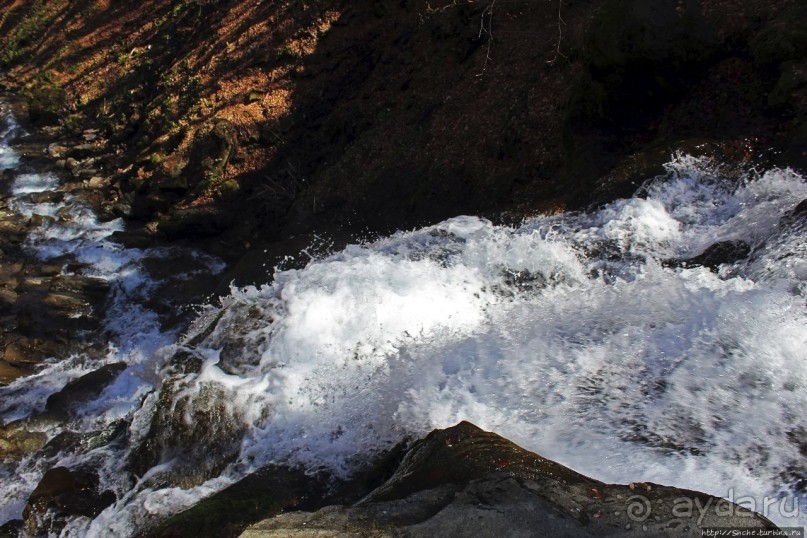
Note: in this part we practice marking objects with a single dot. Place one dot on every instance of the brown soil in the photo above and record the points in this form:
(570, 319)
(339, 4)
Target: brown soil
(385, 114)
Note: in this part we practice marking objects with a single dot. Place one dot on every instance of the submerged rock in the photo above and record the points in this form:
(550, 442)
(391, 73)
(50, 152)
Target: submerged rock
(715, 256)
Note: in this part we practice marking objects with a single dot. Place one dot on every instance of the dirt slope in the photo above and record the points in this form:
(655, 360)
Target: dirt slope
(265, 119)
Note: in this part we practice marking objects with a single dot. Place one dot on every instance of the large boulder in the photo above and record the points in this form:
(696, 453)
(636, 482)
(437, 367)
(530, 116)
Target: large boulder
(461, 481)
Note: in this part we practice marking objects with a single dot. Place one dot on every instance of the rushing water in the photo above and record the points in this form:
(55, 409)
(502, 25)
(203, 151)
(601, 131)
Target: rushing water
(571, 334)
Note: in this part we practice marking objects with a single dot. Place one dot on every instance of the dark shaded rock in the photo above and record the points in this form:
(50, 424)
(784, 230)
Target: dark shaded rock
(632, 32)
(82, 151)
(257, 266)
(11, 529)
(463, 481)
(83, 389)
(270, 491)
(637, 57)
(794, 152)
(194, 222)
(263, 494)
(715, 256)
(782, 38)
(132, 239)
(787, 95)
(628, 175)
(209, 156)
(62, 493)
(47, 104)
(800, 209)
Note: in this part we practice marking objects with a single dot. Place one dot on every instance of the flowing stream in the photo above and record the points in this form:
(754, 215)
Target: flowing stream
(576, 335)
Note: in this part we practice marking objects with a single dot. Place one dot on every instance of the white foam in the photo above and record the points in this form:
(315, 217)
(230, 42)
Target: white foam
(8, 129)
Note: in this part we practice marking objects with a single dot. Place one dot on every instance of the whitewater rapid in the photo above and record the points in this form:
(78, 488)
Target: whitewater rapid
(70, 233)
(573, 335)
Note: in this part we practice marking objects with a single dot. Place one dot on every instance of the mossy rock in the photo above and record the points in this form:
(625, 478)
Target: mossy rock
(209, 156)
(16, 441)
(47, 104)
(201, 431)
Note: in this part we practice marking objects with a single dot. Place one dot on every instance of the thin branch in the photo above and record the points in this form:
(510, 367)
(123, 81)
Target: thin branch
(561, 24)
(489, 11)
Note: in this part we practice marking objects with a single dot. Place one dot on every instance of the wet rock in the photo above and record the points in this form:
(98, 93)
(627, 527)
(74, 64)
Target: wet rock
(260, 495)
(83, 389)
(464, 481)
(715, 256)
(201, 431)
(24, 352)
(93, 288)
(9, 372)
(132, 239)
(11, 529)
(80, 443)
(629, 174)
(17, 441)
(38, 220)
(62, 493)
(62, 306)
(45, 197)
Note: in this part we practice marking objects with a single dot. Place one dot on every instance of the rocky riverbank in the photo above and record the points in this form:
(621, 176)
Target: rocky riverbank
(47, 308)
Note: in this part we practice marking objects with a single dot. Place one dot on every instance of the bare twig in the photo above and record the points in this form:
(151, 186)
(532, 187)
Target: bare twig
(489, 11)
(561, 24)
